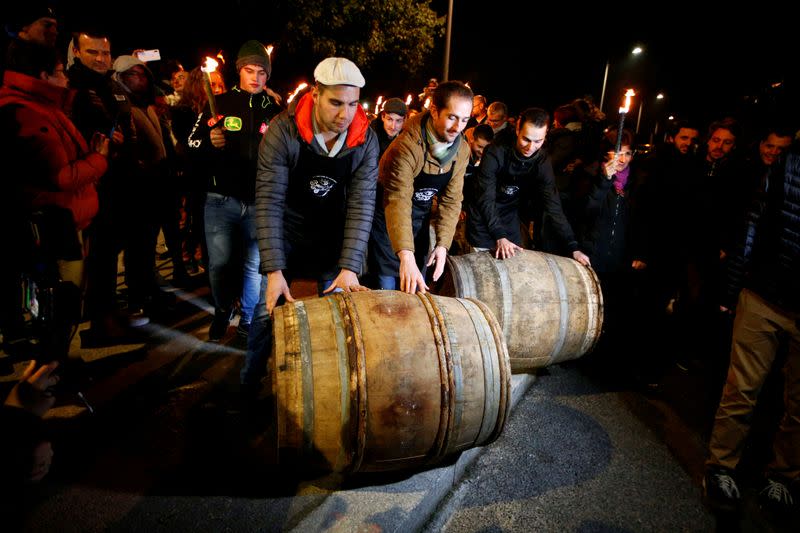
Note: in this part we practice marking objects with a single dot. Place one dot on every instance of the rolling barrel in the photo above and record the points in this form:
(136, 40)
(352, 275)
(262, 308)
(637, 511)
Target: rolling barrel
(550, 308)
(383, 380)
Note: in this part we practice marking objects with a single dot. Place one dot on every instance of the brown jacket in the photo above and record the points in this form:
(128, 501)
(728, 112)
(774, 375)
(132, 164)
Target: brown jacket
(402, 162)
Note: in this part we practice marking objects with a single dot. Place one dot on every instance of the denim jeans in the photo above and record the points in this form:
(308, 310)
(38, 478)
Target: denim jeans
(230, 227)
(259, 339)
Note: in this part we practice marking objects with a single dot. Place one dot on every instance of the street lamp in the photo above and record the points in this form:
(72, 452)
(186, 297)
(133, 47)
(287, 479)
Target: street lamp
(635, 52)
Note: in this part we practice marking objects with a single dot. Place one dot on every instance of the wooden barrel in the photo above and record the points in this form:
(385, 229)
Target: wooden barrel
(383, 380)
(549, 307)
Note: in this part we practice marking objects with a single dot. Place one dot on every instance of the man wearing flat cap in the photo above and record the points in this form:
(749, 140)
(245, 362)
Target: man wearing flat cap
(389, 122)
(315, 197)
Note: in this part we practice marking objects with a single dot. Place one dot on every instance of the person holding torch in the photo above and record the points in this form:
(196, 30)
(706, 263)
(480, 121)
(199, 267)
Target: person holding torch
(229, 140)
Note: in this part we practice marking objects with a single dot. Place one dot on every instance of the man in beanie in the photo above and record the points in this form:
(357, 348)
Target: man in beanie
(428, 159)
(390, 122)
(315, 196)
(229, 142)
(34, 22)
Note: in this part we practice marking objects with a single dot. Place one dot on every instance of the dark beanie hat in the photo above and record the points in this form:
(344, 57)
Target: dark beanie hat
(253, 53)
(27, 12)
(395, 105)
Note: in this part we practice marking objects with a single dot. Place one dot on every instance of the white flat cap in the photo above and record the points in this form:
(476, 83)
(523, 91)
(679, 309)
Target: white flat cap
(338, 71)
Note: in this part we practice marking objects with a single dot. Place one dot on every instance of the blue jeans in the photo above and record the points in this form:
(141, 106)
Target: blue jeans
(259, 338)
(231, 226)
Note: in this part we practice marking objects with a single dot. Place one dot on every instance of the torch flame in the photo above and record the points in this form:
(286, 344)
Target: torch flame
(408, 99)
(209, 66)
(378, 105)
(269, 50)
(297, 90)
(628, 94)
(427, 103)
(221, 57)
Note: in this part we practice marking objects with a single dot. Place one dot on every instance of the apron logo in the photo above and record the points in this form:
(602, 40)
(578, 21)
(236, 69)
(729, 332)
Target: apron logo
(509, 190)
(320, 186)
(233, 123)
(424, 195)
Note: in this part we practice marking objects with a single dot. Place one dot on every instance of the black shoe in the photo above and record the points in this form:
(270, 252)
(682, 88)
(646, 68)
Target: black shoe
(775, 496)
(219, 326)
(243, 329)
(720, 489)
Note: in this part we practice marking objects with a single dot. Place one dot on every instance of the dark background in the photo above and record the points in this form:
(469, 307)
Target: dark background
(708, 60)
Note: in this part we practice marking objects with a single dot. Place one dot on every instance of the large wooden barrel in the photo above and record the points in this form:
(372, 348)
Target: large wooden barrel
(383, 380)
(550, 307)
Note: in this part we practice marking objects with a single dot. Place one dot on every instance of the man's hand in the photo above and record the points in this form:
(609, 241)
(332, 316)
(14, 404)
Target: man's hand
(276, 287)
(42, 459)
(438, 256)
(638, 265)
(347, 280)
(506, 249)
(581, 258)
(411, 279)
(99, 144)
(117, 137)
(218, 137)
(275, 96)
(31, 393)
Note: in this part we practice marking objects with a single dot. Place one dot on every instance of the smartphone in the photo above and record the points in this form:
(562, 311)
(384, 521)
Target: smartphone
(149, 55)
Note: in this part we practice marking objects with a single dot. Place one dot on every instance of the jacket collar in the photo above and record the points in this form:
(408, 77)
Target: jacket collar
(47, 92)
(356, 133)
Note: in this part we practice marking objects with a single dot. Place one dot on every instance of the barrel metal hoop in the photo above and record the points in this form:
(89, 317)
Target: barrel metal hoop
(455, 374)
(358, 359)
(445, 375)
(343, 457)
(563, 319)
(491, 370)
(307, 377)
(464, 278)
(506, 293)
(594, 320)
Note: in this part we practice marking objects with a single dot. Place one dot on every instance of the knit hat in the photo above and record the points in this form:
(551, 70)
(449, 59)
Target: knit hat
(28, 12)
(338, 71)
(253, 53)
(395, 105)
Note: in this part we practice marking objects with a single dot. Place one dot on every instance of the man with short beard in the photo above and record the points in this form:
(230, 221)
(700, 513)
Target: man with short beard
(315, 196)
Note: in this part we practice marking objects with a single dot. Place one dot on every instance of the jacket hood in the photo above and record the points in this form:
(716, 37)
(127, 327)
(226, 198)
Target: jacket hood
(16, 83)
(301, 113)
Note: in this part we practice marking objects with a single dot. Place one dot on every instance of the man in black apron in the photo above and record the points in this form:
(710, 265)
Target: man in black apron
(514, 175)
(427, 159)
(315, 197)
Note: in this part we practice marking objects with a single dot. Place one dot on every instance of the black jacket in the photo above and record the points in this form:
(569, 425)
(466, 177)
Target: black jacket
(507, 189)
(232, 169)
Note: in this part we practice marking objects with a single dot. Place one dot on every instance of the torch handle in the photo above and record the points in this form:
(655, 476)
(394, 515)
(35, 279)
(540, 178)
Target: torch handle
(619, 132)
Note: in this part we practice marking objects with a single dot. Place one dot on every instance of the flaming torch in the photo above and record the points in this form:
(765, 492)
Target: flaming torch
(378, 105)
(221, 57)
(409, 99)
(427, 103)
(269, 51)
(622, 112)
(208, 67)
(295, 92)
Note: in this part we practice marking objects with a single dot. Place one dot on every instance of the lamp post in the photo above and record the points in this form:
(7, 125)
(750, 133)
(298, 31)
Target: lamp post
(447, 41)
(638, 50)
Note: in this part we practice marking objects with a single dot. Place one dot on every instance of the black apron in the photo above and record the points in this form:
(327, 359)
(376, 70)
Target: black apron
(316, 210)
(383, 260)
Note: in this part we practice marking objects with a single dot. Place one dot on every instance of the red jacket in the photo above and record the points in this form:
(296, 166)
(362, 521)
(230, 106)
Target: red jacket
(51, 139)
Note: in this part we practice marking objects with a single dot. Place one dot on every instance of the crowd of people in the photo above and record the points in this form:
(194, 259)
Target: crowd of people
(253, 192)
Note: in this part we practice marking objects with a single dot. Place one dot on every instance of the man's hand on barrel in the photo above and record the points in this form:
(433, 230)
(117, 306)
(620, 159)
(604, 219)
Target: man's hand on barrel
(581, 258)
(276, 287)
(506, 249)
(347, 280)
(438, 256)
(411, 279)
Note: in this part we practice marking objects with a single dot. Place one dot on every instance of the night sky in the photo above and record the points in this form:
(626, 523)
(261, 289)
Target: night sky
(708, 64)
